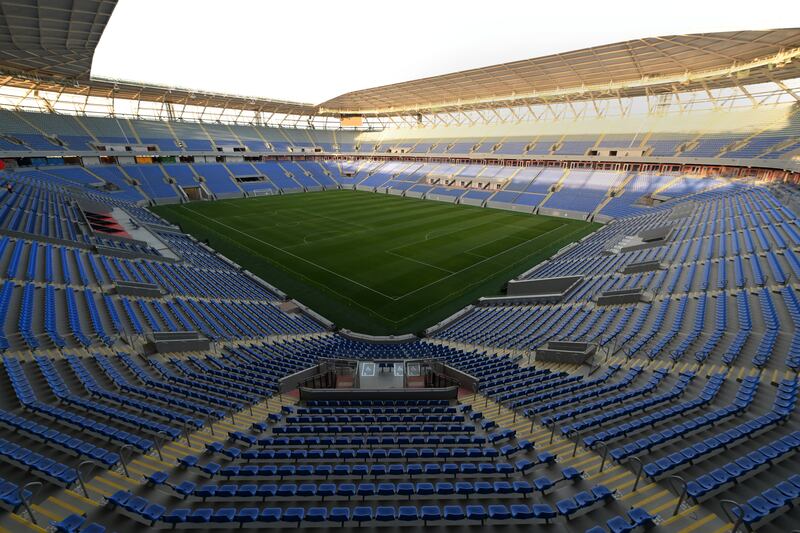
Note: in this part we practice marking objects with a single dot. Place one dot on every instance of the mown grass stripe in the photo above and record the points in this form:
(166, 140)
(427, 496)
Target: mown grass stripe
(377, 263)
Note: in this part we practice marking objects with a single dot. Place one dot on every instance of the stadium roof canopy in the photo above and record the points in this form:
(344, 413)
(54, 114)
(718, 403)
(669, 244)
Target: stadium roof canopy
(52, 38)
(632, 68)
(49, 45)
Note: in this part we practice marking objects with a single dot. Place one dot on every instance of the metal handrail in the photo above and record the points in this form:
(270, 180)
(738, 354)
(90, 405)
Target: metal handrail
(577, 440)
(683, 492)
(733, 519)
(605, 455)
(25, 503)
(157, 444)
(126, 448)
(80, 475)
(639, 473)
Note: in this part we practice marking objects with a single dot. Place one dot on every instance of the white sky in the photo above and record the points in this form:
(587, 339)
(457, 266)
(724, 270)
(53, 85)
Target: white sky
(313, 50)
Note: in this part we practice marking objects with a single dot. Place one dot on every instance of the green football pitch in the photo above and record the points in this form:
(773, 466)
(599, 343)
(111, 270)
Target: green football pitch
(376, 263)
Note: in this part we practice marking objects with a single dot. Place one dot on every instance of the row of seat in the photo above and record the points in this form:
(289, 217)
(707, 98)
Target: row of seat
(745, 396)
(37, 463)
(783, 407)
(11, 495)
(637, 518)
(572, 398)
(75, 523)
(196, 387)
(53, 437)
(30, 401)
(501, 383)
(123, 384)
(709, 392)
(210, 492)
(92, 408)
(399, 428)
(566, 387)
(709, 446)
(775, 500)
(239, 387)
(372, 410)
(741, 468)
(378, 469)
(360, 442)
(363, 453)
(632, 407)
(94, 389)
(371, 419)
(378, 403)
(149, 513)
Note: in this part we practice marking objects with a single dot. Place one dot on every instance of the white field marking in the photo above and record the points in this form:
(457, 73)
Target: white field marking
(343, 222)
(479, 256)
(307, 279)
(361, 227)
(276, 212)
(334, 234)
(282, 224)
(419, 262)
(478, 263)
(293, 255)
(469, 250)
(459, 229)
(461, 291)
(369, 310)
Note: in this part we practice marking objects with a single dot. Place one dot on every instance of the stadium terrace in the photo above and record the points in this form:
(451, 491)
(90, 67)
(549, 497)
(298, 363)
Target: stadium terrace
(559, 293)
